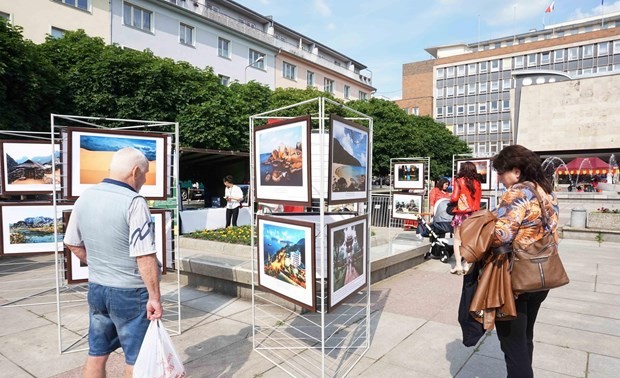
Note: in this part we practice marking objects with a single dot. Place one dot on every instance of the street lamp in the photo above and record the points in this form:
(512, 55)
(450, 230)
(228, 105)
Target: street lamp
(245, 72)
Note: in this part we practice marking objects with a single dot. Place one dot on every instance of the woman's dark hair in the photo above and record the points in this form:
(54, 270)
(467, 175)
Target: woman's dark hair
(229, 179)
(440, 182)
(517, 156)
(469, 172)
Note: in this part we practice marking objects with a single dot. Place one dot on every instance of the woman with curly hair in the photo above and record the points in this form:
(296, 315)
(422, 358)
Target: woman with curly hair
(520, 223)
(467, 193)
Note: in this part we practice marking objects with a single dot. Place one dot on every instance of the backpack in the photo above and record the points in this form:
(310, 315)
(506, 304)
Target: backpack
(477, 235)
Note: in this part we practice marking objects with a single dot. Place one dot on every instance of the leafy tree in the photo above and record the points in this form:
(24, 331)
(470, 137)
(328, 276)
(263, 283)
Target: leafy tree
(29, 83)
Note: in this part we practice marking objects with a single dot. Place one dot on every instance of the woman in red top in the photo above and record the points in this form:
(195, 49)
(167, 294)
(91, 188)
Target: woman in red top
(439, 192)
(467, 192)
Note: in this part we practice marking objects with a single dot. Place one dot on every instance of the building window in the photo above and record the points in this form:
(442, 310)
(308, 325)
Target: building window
(495, 65)
(57, 33)
(494, 106)
(460, 129)
(532, 59)
(460, 90)
(482, 87)
(363, 95)
(545, 58)
(186, 34)
(471, 89)
(603, 48)
(506, 105)
(493, 147)
(617, 47)
(573, 53)
(460, 70)
(558, 55)
(471, 109)
(310, 78)
(471, 128)
(328, 85)
(289, 71)
(347, 90)
(495, 86)
(482, 128)
(450, 72)
(460, 109)
(6, 16)
(256, 59)
(449, 110)
(506, 84)
(450, 92)
(439, 92)
(81, 4)
(137, 17)
(224, 80)
(603, 69)
(415, 111)
(439, 111)
(440, 73)
(588, 51)
(482, 107)
(482, 148)
(505, 126)
(471, 68)
(483, 66)
(506, 64)
(223, 48)
(587, 71)
(493, 127)
(518, 62)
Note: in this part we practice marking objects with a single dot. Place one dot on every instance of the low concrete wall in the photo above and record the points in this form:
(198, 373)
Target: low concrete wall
(606, 221)
(589, 201)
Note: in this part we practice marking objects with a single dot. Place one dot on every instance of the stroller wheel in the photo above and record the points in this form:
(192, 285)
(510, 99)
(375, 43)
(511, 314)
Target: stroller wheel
(444, 258)
(427, 255)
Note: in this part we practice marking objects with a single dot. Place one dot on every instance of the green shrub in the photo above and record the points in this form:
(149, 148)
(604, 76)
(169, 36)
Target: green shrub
(233, 235)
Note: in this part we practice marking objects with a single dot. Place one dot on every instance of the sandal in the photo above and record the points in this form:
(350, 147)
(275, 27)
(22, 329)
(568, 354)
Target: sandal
(456, 271)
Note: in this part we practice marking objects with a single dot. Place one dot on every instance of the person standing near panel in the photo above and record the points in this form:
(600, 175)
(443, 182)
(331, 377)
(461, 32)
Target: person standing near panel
(233, 196)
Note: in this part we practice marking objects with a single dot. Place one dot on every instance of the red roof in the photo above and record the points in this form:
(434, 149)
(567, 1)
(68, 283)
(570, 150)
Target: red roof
(585, 164)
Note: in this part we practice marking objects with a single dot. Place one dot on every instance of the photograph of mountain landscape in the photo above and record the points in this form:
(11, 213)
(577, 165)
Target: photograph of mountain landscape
(27, 167)
(29, 228)
(91, 152)
(348, 163)
(286, 259)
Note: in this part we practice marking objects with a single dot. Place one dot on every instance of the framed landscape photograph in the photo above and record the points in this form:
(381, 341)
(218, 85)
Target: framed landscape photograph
(158, 217)
(483, 167)
(346, 262)
(348, 161)
(406, 206)
(27, 167)
(286, 261)
(28, 228)
(409, 176)
(282, 162)
(91, 150)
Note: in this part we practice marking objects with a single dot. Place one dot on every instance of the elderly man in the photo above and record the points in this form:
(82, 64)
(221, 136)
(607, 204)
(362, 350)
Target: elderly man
(110, 229)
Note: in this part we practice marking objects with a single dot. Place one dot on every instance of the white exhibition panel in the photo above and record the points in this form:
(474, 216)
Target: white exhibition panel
(210, 219)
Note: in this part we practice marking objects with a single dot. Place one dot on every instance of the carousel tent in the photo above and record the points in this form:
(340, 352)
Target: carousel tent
(591, 166)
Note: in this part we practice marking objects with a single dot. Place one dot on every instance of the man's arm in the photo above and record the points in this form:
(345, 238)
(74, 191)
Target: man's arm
(149, 271)
(79, 251)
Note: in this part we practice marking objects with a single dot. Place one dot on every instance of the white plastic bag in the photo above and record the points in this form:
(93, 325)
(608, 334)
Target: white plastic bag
(157, 357)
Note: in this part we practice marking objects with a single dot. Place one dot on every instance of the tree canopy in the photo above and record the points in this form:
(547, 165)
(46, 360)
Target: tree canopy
(81, 75)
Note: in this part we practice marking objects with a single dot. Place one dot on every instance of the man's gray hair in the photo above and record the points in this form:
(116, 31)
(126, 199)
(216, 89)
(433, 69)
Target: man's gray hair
(125, 159)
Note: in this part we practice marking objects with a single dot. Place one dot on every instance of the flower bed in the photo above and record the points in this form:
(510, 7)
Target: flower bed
(232, 235)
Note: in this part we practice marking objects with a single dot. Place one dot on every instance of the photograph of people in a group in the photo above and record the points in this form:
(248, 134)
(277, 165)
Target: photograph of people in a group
(347, 260)
(27, 166)
(285, 253)
(282, 161)
(349, 157)
(406, 206)
(482, 167)
(408, 175)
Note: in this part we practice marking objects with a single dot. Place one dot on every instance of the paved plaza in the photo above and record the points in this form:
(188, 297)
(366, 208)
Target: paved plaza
(414, 330)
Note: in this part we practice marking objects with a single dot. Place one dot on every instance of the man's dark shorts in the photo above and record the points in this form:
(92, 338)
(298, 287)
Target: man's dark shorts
(117, 319)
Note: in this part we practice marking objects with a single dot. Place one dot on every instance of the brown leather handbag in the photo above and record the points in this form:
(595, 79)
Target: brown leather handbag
(538, 267)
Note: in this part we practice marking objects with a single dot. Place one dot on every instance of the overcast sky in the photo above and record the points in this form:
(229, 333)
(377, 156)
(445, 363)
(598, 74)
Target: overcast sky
(385, 34)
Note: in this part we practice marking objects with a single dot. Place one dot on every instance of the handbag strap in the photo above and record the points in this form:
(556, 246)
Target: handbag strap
(543, 209)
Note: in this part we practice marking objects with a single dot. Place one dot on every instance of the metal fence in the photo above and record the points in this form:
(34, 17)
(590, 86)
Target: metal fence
(381, 212)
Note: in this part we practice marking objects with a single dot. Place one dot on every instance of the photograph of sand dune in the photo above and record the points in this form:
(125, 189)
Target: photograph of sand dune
(90, 153)
(27, 167)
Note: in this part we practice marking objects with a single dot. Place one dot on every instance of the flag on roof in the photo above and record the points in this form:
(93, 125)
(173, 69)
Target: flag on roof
(550, 7)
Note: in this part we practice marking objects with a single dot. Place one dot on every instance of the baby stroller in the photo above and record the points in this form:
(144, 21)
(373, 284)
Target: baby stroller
(441, 246)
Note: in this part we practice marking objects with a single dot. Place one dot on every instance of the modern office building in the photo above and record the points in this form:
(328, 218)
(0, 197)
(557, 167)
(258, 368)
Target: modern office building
(470, 87)
(238, 43)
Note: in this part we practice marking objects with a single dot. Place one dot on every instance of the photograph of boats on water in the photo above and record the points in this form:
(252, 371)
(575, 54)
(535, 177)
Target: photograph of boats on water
(348, 163)
(347, 258)
(408, 175)
(286, 261)
(91, 150)
(27, 167)
(282, 162)
(483, 169)
(28, 228)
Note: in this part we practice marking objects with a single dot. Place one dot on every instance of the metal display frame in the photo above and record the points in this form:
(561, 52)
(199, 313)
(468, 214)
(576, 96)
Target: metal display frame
(425, 191)
(171, 304)
(321, 343)
(493, 192)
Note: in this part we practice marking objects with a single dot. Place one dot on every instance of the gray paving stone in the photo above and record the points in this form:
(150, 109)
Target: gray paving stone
(382, 369)
(589, 323)
(19, 319)
(560, 360)
(9, 369)
(578, 339)
(221, 304)
(579, 307)
(586, 296)
(388, 330)
(603, 366)
(482, 367)
(609, 289)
